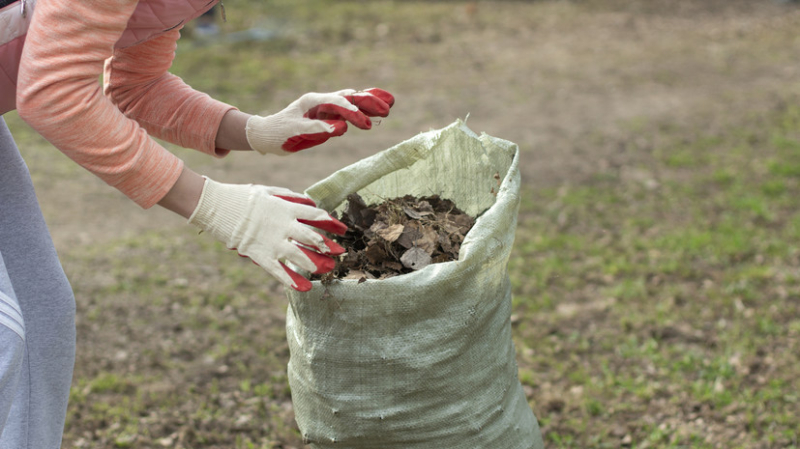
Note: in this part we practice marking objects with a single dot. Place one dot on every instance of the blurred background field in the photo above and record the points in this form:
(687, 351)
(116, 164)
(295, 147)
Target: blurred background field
(656, 269)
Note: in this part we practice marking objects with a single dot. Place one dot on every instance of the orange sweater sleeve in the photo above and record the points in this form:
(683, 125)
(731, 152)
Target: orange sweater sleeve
(138, 82)
(59, 95)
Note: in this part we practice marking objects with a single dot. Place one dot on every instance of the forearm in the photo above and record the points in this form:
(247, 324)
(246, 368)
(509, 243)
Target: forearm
(182, 198)
(231, 134)
(185, 193)
(138, 82)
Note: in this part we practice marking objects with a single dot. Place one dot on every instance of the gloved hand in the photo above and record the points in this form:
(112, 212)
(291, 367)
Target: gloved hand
(270, 225)
(314, 118)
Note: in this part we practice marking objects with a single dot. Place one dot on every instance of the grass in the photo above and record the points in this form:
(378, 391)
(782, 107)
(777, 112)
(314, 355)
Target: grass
(698, 342)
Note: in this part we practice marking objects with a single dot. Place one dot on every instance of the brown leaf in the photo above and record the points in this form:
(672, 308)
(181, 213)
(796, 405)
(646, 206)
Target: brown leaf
(428, 240)
(445, 244)
(390, 233)
(410, 235)
(377, 226)
(375, 254)
(425, 208)
(412, 213)
(358, 211)
(441, 258)
(416, 259)
(422, 209)
(358, 274)
(392, 265)
(464, 222)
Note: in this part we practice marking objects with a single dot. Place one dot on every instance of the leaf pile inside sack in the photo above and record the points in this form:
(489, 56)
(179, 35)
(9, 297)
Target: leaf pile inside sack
(398, 236)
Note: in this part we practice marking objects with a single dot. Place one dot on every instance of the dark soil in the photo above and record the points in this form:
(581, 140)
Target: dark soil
(398, 236)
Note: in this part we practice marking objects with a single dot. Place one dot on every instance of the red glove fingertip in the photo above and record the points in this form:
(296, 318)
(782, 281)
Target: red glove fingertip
(334, 249)
(301, 284)
(370, 105)
(383, 95)
(323, 263)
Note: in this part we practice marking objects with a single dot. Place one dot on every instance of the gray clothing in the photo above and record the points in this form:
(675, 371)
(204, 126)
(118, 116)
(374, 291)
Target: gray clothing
(37, 315)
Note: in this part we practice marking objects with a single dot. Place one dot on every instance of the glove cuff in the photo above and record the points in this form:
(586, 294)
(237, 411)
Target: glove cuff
(220, 209)
(261, 136)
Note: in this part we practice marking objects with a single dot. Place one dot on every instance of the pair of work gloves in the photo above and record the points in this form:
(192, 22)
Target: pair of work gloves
(274, 226)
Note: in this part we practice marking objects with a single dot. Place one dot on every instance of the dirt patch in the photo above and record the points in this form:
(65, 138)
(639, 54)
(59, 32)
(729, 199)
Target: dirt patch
(398, 236)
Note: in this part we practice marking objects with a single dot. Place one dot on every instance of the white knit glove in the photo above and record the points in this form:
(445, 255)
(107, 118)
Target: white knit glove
(270, 225)
(314, 118)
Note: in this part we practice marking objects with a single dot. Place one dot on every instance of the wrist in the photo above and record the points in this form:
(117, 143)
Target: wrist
(184, 195)
(231, 134)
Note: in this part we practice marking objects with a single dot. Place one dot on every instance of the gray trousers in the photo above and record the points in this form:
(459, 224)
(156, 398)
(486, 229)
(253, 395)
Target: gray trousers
(37, 315)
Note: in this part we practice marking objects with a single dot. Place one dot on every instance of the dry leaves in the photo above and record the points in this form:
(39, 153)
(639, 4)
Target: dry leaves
(399, 236)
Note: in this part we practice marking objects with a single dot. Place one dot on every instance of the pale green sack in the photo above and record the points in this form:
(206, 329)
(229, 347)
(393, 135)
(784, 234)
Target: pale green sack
(423, 360)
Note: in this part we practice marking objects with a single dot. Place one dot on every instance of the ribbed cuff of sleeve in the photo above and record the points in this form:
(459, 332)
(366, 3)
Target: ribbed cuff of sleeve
(208, 125)
(154, 174)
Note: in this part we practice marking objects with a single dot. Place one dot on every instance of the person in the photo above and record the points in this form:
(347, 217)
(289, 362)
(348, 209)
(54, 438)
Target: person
(52, 58)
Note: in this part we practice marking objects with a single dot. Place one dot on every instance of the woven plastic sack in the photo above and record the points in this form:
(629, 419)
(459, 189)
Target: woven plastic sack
(422, 360)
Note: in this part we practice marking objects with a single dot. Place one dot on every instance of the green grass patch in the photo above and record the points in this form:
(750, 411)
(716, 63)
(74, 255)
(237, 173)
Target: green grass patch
(702, 272)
